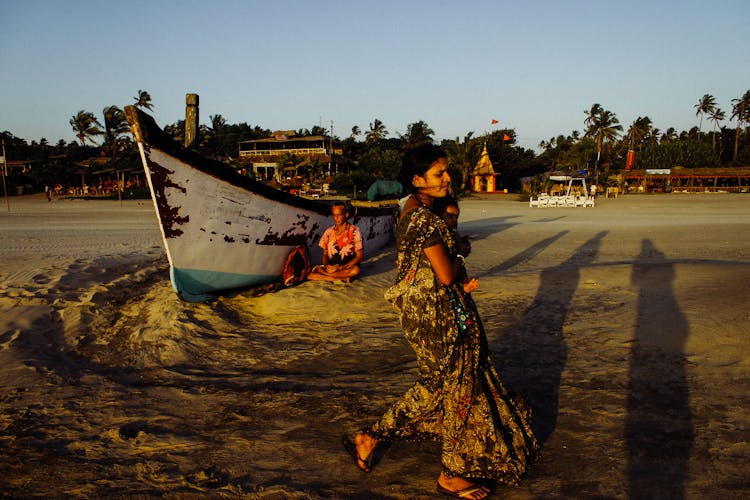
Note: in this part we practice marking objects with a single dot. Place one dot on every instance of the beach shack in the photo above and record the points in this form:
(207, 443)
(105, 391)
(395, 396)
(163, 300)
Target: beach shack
(484, 179)
(689, 180)
(263, 154)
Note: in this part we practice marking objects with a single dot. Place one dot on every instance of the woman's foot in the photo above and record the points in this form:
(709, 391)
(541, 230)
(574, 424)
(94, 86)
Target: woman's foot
(365, 446)
(461, 488)
(361, 448)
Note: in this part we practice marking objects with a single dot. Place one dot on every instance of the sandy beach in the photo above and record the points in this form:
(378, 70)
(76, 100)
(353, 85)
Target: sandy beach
(626, 326)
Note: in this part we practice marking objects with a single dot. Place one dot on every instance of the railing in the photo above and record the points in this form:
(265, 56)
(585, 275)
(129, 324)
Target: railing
(278, 152)
(712, 189)
(689, 189)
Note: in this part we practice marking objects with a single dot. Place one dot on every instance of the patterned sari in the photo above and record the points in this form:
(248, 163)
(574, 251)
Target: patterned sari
(458, 399)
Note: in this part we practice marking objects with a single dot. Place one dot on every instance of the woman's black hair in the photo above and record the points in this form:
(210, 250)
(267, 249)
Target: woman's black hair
(417, 161)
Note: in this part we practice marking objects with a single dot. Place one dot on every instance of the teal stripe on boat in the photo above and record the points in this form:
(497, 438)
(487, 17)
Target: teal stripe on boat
(196, 285)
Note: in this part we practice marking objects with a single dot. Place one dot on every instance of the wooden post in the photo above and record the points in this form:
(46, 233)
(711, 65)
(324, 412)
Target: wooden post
(191, 120)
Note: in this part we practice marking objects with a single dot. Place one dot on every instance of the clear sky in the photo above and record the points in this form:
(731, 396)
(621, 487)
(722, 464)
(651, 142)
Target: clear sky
(534, 66)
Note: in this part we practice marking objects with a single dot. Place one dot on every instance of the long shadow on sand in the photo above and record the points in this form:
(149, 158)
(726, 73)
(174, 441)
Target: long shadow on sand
(524, 256)
(480, 229)
(658, 429)
(535, 347)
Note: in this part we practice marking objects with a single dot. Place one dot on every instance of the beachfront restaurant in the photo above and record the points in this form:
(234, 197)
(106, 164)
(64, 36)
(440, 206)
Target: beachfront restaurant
(689, 180)
(315, 147)
(264, 154)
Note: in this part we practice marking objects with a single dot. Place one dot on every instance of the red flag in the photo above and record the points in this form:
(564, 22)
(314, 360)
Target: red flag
(493, 122)
(506, 137)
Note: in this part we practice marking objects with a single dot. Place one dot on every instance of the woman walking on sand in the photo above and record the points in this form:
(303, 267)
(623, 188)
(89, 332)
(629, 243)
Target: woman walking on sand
(458, 399)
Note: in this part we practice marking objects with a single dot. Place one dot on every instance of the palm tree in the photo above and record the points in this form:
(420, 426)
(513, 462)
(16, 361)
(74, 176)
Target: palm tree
(462, 155)
(740, 112)
(706, 105)
(716, 116)
(376, 133)
(217, 122)
(638, 131)
(115, 125)
(417, 132)
(592, 114)
(669, 135)
(86, 126)
(356, 132)
(603, 126)
(694, 133)
(143, 100)
(653, 136)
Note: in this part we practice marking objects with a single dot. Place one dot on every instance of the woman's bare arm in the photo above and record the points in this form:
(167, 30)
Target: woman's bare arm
(447, 271)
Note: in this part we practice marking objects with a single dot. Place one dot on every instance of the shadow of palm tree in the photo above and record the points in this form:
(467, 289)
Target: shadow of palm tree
(535, 348)
(658, 428)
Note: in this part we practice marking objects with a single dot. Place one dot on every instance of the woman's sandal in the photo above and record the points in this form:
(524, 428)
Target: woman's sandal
(365, 465)
(467, 492)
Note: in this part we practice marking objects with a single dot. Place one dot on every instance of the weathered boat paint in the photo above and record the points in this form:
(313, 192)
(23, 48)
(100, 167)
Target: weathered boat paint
(223, 231)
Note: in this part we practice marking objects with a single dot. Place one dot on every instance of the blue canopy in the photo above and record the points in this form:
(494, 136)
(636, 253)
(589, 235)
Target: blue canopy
(384, 190)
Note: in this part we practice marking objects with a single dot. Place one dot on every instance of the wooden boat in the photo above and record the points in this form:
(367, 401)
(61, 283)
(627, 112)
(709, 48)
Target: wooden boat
(223, 231)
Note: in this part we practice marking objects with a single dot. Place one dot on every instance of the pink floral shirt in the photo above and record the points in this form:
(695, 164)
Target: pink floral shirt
(342, 249)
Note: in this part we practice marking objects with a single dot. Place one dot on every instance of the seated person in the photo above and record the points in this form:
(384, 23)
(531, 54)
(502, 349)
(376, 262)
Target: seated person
(342, 248)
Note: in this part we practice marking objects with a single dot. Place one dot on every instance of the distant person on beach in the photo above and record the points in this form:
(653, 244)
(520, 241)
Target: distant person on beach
(342, 248)
(458, 399)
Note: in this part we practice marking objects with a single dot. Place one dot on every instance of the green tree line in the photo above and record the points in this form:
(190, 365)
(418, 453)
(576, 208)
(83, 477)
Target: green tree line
(373, 153)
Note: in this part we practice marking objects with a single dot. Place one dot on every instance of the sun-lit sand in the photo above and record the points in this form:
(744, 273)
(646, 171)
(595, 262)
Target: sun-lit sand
(626, 325)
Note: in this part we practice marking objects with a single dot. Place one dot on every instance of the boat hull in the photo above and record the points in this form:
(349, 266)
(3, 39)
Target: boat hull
(224, 232)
